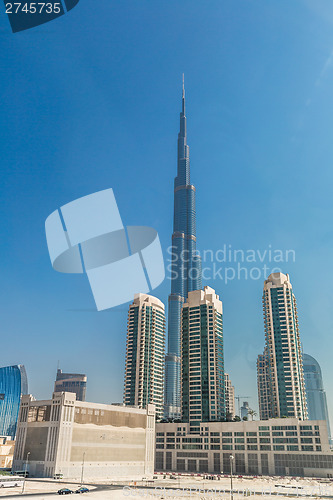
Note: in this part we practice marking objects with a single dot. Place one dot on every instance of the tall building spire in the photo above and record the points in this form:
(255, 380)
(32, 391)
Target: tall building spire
(183, 171)
(186, 266)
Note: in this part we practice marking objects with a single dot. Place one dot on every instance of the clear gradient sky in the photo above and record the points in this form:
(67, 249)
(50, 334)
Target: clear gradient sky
(92, 101)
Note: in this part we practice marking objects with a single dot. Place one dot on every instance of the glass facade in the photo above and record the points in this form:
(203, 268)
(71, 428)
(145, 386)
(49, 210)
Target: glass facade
(185, 267)
(13, 384)
(315, 393)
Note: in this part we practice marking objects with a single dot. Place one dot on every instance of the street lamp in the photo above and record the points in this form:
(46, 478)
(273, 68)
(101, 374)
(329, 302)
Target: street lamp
(82, 468)
(231, 490)
(25, 471)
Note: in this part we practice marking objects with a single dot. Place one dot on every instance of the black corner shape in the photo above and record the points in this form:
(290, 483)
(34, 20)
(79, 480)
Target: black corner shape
(24, 15)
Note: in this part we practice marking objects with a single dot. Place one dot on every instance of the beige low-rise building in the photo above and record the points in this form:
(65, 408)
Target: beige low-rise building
(7, 445)
(280, 446)
(66, 437)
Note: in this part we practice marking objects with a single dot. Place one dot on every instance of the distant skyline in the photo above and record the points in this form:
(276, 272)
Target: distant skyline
(91, 101)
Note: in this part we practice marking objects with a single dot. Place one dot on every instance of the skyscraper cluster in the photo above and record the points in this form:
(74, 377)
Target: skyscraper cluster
(193, 369)
(189, 383)
(196, 387)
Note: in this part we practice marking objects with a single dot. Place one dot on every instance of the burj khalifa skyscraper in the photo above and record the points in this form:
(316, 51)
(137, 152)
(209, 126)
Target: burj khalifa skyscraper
(185, 267)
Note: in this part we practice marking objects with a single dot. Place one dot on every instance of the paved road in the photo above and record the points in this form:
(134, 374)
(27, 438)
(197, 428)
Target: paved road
(54, 487)
(96, 490)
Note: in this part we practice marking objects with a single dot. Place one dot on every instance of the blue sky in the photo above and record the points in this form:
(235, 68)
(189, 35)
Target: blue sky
(92, 101)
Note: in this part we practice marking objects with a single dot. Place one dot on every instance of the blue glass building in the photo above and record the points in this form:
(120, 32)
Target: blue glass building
(185, 266)
(315, 393)
(13, 384)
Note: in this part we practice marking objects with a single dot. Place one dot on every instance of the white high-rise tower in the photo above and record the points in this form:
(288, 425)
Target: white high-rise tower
(284, 392)
(144, 372)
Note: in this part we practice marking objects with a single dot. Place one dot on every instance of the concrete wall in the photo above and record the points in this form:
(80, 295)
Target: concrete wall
(112, 441)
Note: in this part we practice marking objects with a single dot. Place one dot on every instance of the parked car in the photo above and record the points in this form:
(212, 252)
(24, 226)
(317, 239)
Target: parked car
(83, 489)
(22, 473)
(65, 491)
